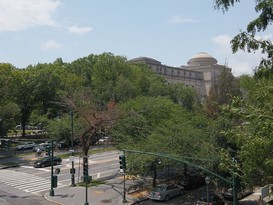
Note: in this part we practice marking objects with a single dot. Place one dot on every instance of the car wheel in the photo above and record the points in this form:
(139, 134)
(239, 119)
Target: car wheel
(58, 162)
(42, 165)
(167, 198)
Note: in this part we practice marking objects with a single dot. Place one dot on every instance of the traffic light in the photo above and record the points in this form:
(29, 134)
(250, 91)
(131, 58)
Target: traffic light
(85, 170)
(122, 162)
(48, 151)
(5, 144)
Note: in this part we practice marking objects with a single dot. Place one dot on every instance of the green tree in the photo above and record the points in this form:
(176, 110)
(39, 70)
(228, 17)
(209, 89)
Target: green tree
(253, 132)
(246, 40)
(156, 124)
(23, 95)
(8, 109)
(222, 92)
(184, 95)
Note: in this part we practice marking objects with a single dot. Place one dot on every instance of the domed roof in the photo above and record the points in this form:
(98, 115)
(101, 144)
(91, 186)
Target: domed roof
(202, 58)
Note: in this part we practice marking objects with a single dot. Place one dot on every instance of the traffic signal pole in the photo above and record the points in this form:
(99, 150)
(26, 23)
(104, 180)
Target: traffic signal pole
(122, 163)
(51, 193)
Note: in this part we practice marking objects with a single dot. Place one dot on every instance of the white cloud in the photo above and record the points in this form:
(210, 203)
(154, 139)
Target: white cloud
(51, 44)
(79, 30)
(241, 62)
(180, 20)
(17, 15)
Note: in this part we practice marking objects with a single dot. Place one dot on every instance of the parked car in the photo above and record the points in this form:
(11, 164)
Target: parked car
(164, 192)
(214, 199)
(26, 145)
(241, 193)
(190, 182)
(269, 202)
(46, 161)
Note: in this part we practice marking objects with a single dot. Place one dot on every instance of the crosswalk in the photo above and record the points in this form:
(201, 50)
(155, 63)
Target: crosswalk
(26, 182)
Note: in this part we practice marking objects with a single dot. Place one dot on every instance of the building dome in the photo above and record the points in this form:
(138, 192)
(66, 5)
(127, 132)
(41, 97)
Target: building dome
(202, 59)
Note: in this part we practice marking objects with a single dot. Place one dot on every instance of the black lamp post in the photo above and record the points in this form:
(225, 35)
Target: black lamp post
(1, 127)
(207, 179)
(72, 171)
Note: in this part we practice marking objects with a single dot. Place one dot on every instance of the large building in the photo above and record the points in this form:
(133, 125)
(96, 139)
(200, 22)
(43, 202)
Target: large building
(201, 72)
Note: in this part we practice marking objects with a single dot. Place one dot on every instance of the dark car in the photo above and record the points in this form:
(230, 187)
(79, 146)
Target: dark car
(243, 192)
(195, 181)
(214, 199)
(46, 161)
(164, 192)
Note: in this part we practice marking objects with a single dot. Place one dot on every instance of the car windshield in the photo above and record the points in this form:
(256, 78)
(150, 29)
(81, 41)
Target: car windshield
(159, 188)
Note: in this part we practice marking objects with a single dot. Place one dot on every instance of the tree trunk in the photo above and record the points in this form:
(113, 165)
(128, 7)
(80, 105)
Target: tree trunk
(154, 176)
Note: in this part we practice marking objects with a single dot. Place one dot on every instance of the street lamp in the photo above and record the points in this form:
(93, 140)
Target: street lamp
(72, 170)
(207, 180)
(1, 127)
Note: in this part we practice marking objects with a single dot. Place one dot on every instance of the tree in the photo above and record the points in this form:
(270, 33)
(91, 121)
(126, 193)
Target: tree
(156, 124)
(222, 92)
(253, 132)
(8, 109)
(23, 95)
(184, 95)
(247, 40)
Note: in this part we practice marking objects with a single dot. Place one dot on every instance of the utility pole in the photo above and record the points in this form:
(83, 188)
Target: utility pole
(51, 193)
(86, 178)
(72, 170)
(234, 188)
(122, 163)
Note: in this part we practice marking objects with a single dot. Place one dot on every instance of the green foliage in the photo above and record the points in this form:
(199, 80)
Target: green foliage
(181, 94)
(246, 39)
(221, 92)
(156, 124)
(253, 132)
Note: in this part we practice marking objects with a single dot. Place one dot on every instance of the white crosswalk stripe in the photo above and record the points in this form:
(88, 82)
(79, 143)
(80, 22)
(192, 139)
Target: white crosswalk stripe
(26, 182)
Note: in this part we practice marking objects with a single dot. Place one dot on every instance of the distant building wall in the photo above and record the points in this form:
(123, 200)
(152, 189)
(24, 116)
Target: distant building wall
(201, 72)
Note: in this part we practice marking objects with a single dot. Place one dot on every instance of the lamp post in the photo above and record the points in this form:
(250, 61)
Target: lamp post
(207, 179)
(1, 127)
(72, 171)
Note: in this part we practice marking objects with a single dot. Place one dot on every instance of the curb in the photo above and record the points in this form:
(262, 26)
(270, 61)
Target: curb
(50, 200)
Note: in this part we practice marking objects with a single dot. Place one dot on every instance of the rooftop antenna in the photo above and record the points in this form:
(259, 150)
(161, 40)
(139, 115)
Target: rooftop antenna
(226, 62)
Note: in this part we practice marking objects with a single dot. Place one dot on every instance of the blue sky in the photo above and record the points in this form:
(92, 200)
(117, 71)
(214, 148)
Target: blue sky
(170, 31)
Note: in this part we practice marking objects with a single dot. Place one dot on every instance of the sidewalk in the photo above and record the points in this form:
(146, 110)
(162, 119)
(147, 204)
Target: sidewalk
(110, 193)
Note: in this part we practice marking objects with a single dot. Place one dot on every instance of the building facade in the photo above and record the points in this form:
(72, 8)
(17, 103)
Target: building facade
(201, 72)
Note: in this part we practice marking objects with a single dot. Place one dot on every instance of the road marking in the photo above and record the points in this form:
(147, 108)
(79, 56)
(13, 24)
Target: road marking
(42, 169)
(26, 182)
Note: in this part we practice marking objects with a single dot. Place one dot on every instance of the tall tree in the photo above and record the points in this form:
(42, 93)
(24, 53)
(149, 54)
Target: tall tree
(23, 95)
(222, 92)
(247, 40)
(8, 109)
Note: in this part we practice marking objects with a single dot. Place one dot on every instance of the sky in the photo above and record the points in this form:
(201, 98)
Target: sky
(170, 31)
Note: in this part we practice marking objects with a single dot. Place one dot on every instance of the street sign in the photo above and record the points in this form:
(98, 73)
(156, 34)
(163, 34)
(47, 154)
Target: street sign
(71, 158)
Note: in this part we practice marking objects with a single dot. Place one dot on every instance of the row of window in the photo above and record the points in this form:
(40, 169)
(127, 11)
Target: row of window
(179, 73)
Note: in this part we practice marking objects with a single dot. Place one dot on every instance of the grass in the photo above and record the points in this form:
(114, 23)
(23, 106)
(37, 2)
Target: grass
(92, 183)
(92, 151)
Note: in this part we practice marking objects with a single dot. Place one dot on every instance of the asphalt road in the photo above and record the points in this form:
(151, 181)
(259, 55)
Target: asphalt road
(37, 180)
(8, 197)
(25, 185)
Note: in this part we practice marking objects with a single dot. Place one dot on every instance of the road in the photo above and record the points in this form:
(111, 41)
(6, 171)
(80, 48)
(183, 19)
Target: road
(27, 182)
